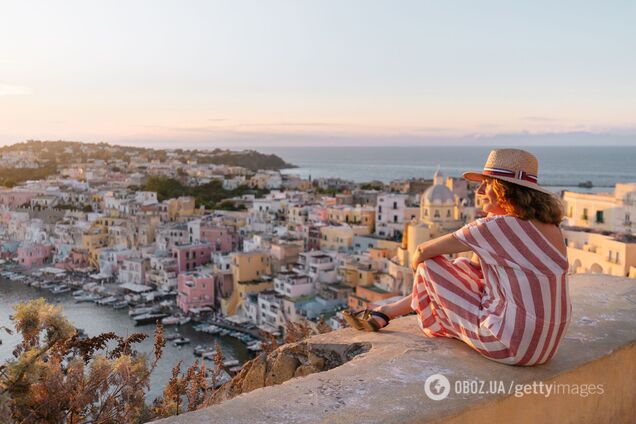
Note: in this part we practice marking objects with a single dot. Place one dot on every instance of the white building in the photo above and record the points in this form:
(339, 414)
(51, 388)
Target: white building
(292, 284)
(389, 214)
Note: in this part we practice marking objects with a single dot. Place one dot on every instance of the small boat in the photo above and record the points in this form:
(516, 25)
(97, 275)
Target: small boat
(48, 285)
(107, 300)
(143, 310)
(256, 346)
(171, 320)
(200, 350)
(149, 318)
(78, 293)
(235, 370)
(230, 363)
(120, 305)
(213, 329)
(181, 341)
(84, 298)
(62, 288)
(224, 332)
(209, 354)
(172, 336)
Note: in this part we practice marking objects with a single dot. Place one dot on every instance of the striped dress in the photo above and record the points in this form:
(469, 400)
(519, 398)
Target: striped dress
(515, 309)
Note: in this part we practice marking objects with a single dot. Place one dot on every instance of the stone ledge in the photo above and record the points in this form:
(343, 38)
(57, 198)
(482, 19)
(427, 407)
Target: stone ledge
(386, 384)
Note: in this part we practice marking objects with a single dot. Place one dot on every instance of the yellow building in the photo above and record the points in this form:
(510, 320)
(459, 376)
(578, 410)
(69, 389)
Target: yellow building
(358, 215)
(181, 206)
(251, 273)
(602, 211)
(590, 252)
(340, 237)
(357, 274)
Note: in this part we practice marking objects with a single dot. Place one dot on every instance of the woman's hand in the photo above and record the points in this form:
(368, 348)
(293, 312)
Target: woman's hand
(418, 257)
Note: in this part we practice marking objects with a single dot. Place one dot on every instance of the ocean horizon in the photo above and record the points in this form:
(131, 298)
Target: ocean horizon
(560, 167)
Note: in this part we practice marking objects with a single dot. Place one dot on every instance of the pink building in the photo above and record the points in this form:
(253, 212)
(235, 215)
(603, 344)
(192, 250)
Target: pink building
(77, 259)
(221, 239)
(34, 254)
(196, 290)
(190, 256)
(13, 198)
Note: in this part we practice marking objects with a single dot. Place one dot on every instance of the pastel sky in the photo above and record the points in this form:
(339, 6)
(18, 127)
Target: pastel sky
(274, 72)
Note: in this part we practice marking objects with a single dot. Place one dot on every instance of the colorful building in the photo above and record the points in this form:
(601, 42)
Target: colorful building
(195, 290)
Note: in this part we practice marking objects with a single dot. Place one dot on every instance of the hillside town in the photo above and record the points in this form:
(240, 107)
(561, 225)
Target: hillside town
(246, 250)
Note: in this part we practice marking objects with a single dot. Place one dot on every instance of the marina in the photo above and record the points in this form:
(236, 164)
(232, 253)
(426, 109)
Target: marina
(78, 299)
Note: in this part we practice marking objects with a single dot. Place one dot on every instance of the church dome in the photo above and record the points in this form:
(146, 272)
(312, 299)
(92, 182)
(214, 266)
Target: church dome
(439, 195)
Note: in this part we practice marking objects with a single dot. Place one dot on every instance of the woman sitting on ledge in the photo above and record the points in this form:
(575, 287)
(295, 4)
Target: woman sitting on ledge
(510, 302)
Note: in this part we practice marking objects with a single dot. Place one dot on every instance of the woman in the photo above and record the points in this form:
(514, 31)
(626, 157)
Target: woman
(510, 302)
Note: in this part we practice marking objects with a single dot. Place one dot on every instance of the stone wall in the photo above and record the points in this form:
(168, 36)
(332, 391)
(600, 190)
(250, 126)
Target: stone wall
(386, 383)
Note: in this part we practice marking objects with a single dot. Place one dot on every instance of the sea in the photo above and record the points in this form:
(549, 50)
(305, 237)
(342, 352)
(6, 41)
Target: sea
(560, 167)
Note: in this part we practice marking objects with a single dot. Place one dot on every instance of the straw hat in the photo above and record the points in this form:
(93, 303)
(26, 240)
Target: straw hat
(512, 165)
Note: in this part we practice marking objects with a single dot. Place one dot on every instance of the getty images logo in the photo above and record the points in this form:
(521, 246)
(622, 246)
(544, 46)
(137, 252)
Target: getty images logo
(437, 387)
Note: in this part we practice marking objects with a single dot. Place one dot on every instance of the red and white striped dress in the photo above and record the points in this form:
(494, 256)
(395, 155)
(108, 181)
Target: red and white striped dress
(515, 309)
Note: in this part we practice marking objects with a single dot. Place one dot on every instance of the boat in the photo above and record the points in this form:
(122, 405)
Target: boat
(78, 293)
(172, 336)
(256, 346)
(62, 288)
(235, 370)
(230, 363)
(181, 341)
(48, 285)
(170, 320)
(120, 305)
(224, 332)
(107, 300)
(200, 350)
(149, 318)
(84, 298)
(143, 310)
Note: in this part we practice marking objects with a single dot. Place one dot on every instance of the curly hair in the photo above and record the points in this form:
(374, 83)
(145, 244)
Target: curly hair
(526, 203)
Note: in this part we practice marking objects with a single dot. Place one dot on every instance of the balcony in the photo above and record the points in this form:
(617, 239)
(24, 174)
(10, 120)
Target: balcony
(382, 376)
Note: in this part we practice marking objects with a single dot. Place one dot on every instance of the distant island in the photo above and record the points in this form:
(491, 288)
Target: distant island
(35, 159)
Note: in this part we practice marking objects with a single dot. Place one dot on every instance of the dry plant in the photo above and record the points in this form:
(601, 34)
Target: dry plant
(57, 377)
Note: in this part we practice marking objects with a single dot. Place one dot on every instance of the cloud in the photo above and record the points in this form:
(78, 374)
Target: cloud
(14, 90)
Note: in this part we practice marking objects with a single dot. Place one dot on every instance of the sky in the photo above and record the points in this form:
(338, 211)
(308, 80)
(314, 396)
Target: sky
(318, 72)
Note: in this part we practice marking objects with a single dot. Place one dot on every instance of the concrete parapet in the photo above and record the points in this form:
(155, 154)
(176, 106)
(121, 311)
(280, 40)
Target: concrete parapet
(386, 384)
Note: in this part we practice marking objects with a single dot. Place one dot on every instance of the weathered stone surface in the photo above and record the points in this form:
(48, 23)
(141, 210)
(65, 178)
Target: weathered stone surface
(305, 370)
(386, 383)
(254, 377)
(282, 369)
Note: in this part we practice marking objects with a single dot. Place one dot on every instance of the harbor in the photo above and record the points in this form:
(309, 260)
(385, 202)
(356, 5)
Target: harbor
(96, 308)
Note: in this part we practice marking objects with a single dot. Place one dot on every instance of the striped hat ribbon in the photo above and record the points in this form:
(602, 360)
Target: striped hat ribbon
(519, 175)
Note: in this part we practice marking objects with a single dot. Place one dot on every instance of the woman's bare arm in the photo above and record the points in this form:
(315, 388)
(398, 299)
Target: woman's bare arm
(439, 246)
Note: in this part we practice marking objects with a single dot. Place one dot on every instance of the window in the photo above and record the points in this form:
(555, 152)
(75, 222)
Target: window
(599, 217)
(448, 214)
(584, 215)
(436, 215)
(394, 205)
(395, 218)
(379, 209)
